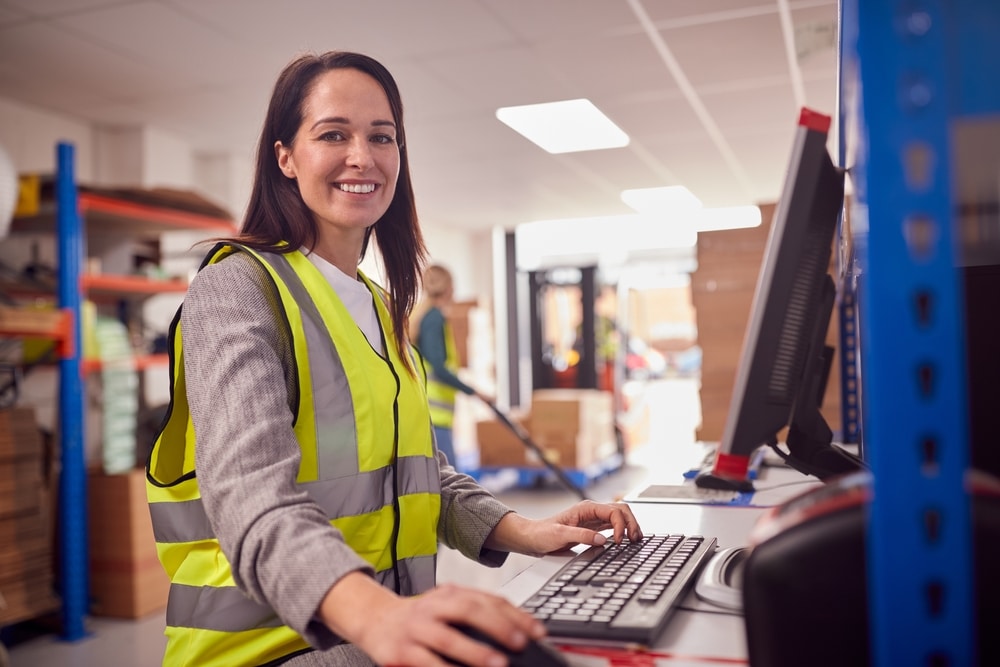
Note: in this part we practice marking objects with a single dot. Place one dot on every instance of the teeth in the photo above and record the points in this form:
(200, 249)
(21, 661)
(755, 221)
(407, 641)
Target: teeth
(358, 189)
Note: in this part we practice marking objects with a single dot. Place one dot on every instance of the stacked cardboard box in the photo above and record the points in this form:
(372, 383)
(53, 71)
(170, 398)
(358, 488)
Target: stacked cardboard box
(574, 428)
(499, 447)
(26, 544)
(722, 290)
(126, 577)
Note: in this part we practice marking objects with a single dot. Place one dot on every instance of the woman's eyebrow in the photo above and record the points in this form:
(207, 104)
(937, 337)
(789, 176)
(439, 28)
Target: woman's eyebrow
(344, 121)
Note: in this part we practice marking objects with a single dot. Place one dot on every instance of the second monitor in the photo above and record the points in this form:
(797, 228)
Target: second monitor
(784, 361)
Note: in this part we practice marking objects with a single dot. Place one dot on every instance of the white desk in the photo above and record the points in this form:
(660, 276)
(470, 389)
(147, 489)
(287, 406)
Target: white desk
(697, 635)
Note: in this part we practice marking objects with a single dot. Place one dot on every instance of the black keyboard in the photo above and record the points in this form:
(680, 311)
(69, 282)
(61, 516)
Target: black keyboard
(621, 593)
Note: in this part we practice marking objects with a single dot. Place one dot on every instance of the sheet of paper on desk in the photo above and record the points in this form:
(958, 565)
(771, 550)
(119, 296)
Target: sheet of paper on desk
(686, 493)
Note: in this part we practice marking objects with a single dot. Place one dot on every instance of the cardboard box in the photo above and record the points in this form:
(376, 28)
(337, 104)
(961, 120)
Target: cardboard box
(498, 445)
(126, 577)
(19, 435)
(572, 451)
(27, 598)
(571, 410)
(26, 541)
(574, 427)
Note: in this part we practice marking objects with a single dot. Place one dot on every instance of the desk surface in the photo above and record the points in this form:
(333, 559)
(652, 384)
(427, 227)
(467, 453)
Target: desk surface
(698, 635)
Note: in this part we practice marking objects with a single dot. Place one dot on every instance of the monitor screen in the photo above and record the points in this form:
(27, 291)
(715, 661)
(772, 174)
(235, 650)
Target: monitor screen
(784, 361)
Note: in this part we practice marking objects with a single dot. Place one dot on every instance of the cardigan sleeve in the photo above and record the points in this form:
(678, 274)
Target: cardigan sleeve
(469, 513)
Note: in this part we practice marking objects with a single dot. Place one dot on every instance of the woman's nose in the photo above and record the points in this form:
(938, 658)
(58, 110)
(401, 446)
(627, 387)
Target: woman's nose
(360, 154)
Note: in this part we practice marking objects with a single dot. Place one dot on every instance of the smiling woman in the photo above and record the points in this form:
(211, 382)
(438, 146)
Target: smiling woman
(345, 159)
(296, 483)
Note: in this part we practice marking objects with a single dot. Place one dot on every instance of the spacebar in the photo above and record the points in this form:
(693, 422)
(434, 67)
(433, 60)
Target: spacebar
(568, 624)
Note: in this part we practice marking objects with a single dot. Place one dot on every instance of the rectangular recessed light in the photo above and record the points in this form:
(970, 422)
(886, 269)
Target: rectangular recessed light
(564, 127)
(666, 200)
(727, 217)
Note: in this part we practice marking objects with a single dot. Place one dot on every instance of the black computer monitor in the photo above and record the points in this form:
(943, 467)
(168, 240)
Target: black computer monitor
(784, 362)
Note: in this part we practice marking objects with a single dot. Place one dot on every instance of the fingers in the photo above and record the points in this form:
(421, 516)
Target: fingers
(442, 624)
(624, 523)
(601, 516)
(472, 620)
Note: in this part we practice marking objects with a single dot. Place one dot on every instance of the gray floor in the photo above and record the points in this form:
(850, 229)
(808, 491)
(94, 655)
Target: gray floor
(674, 412)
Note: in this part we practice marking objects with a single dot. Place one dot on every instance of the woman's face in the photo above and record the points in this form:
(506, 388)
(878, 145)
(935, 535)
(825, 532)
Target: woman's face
(344, 155)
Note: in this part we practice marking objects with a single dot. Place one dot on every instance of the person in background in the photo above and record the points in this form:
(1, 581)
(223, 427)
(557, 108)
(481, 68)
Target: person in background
(433, 337)
(296, 496)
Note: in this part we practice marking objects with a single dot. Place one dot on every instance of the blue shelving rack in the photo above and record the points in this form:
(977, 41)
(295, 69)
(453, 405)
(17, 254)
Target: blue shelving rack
(73, 558)
(911, 70)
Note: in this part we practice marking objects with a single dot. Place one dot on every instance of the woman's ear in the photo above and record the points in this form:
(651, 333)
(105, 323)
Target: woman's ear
(284, 157)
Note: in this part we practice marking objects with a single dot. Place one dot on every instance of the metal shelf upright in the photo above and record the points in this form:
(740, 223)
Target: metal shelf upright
(73, 557)
(911, 71)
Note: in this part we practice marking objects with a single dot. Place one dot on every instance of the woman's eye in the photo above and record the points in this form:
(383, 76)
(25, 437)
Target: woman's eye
(332, 135)
(383, 139)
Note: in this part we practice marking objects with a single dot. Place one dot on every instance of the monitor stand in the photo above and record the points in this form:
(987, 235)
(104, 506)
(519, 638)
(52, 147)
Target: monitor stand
(709, 480)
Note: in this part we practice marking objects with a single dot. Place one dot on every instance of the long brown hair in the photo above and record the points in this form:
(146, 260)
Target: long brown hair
(276, 211)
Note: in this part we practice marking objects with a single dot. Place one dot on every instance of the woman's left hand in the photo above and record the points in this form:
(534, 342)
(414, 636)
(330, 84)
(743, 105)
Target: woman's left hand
(580, 524)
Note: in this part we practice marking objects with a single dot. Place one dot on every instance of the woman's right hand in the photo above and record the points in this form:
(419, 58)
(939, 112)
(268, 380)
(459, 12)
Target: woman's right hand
(417, 631)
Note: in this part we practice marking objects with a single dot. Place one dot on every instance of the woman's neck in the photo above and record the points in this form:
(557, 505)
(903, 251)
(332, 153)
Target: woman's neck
(342, 252)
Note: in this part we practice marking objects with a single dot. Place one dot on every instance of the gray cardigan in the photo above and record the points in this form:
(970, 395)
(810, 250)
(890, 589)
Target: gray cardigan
(281, 546)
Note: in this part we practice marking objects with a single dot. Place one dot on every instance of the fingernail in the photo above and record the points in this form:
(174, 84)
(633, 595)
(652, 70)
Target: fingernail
(599, 540)
(519, 638)
(538, 630)
(496, 661)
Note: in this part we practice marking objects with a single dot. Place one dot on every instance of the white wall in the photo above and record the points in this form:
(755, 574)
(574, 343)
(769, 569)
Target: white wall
(30, 136)
(468, 255)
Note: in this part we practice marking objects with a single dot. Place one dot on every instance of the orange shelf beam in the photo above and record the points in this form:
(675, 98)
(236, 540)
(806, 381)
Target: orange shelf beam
(130, 284)
(139, 363)
(165, 216)
(54, 325)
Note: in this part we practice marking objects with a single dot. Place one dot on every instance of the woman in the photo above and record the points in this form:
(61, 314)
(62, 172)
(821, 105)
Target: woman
(432, 335)
(295, 495)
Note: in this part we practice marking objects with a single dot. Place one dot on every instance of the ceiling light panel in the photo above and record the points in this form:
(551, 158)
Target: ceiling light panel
(665, 200)
(568, 126)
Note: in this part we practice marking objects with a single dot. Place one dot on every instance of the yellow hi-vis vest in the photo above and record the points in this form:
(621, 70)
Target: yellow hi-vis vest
(363, 450)
(441, 396)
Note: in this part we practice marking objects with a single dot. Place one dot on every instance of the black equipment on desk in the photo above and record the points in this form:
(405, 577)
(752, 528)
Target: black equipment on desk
(621, 593)
(784, 361)
(804, 592)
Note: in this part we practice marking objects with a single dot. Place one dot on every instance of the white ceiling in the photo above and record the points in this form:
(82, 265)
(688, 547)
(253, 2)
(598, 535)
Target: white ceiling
(708, 90)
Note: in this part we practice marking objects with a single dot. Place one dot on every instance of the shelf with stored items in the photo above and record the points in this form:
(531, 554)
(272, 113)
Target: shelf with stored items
(84, 224)
(111, 219)
(119, 290)
(24, 322)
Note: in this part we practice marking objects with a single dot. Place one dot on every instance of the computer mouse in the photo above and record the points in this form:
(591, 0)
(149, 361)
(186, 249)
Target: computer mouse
(536, 653)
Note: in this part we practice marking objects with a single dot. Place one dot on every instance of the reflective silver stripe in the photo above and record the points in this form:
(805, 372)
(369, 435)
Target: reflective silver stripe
(180, 522)
(417, 574)
(418, 474)
(225, 609)
(367, 492)
(187, 521)
(333, 409)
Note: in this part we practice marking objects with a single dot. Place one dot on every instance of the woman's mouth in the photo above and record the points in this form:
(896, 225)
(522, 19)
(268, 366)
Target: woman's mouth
(357, 188)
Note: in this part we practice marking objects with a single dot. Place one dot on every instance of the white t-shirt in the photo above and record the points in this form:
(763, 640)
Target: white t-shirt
(356, 298)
